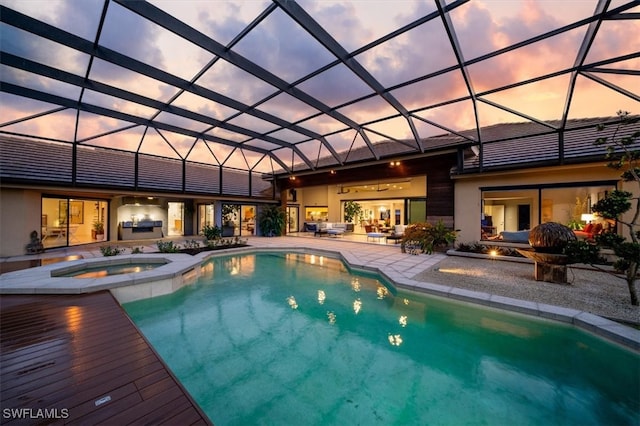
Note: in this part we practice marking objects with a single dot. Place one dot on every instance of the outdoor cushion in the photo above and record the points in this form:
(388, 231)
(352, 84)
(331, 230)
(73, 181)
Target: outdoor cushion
(588, 228)
(515, 236)
(375, 235)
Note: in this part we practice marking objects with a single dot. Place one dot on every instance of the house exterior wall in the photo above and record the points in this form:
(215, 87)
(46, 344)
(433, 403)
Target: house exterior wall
(468, 196)
(21, 214)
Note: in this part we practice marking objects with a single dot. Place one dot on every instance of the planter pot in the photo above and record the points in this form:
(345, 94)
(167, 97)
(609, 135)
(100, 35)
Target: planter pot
(228, 231)
(99, 237)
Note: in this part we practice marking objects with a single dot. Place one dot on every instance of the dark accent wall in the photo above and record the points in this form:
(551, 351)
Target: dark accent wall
(440, 191)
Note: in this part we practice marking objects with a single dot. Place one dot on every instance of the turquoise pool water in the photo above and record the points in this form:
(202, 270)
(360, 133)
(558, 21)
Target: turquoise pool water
(286, 339)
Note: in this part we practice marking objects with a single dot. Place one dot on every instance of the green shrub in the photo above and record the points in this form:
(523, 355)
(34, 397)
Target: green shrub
(465, 247)
(136, 250)
(428, 237)
(168, 247)
(212, 232)
(192, 244)
(583, 252)
(111, 251)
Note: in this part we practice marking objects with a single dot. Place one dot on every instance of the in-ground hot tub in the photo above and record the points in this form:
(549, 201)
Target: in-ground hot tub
(105, 269)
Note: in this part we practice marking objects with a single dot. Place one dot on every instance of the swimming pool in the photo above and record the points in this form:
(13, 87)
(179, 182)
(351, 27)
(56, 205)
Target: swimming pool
(295, 338)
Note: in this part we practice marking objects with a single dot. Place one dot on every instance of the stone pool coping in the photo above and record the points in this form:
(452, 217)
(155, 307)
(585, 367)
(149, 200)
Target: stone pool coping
(183, 269)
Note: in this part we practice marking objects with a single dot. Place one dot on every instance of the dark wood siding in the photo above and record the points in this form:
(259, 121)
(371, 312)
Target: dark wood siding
(440, 190)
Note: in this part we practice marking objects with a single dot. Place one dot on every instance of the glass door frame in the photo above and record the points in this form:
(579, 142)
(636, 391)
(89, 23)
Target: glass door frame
(295, 209)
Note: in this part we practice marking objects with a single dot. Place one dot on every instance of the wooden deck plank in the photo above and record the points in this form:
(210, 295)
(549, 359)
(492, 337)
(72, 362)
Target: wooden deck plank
(79, 366)
(147, 407)
(69, 351)
(35, 379)
(71, 385)
(181, 417)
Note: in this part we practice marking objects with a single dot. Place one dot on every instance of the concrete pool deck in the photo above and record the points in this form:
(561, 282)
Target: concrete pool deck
(400, 269)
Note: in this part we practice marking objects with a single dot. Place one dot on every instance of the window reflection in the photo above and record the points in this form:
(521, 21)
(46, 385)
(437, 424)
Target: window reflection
(357, 305)
(395, 339)
(382, 292)
(355, 284)
(292, 302)
(403, 320)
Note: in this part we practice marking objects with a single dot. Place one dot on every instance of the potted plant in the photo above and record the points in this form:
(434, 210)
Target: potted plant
(352, 210)
(272, 220)
(98, 228)
(228, 213)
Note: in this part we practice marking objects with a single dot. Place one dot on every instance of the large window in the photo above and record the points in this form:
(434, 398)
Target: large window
(314, 214)
(510, 210)
(70, 221)
(381, 214)
(417, 210)
(206, 216)
(248, 222)
(522, 208)
(230, 220)
(175, 226)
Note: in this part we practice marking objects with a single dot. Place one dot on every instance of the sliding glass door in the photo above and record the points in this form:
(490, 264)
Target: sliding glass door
(71, 221)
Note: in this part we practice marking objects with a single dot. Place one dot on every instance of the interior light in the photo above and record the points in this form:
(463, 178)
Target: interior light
(333, 172)
(587, 217)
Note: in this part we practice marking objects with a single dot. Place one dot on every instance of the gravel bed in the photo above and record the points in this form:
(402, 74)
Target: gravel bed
(588, 290)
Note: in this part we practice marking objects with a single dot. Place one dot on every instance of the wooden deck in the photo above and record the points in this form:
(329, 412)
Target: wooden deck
(82, 359)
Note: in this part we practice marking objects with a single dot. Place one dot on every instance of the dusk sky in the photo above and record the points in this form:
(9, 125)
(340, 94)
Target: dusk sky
(283, 49)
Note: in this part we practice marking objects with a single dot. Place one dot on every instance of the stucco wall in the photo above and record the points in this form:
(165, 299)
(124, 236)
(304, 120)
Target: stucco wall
(468, 194)
(20, 215)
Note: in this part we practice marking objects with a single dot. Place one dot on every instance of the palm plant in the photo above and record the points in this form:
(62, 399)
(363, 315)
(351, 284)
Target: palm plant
(272, 220)
(351, 210)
